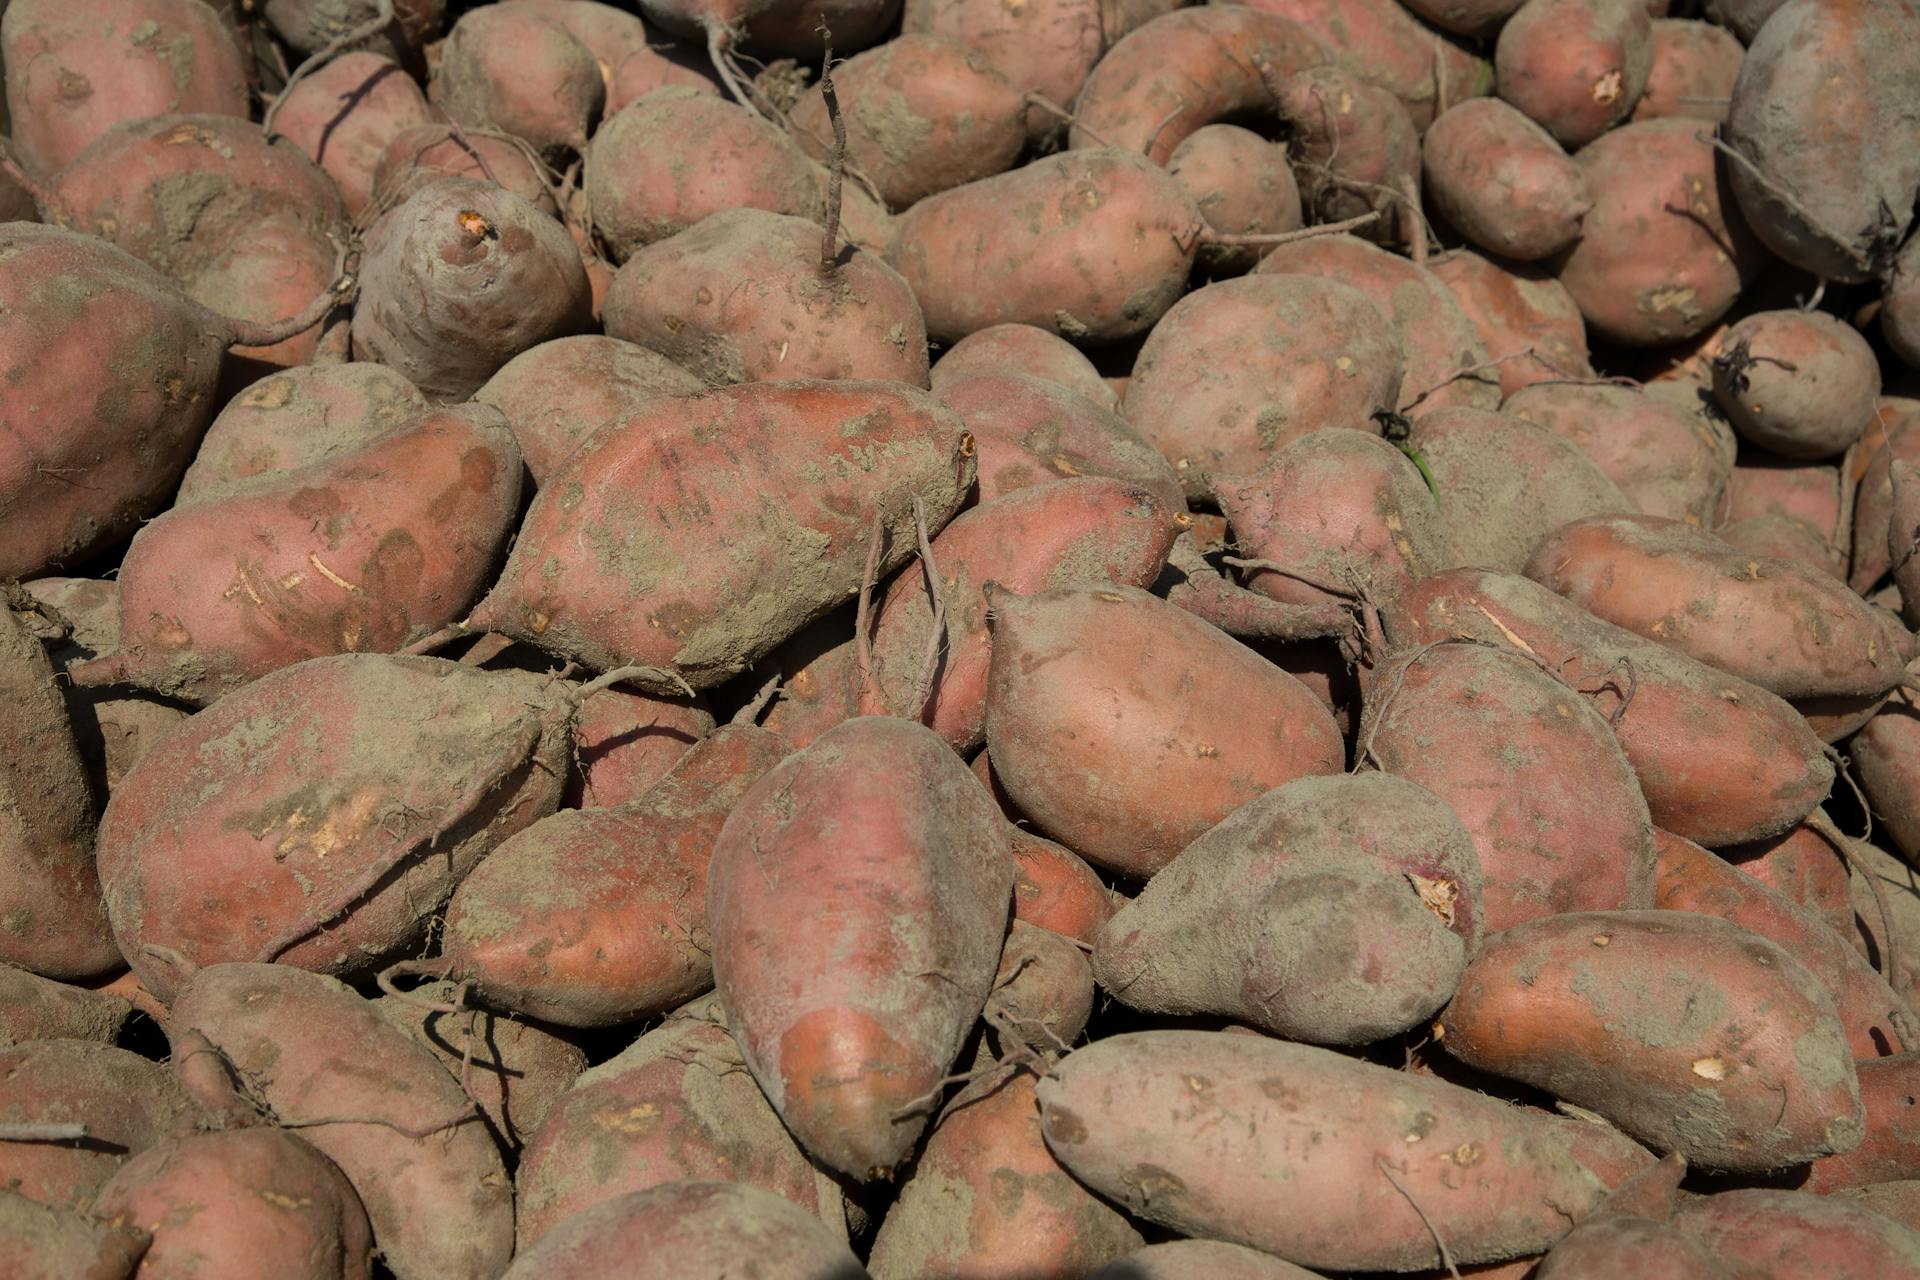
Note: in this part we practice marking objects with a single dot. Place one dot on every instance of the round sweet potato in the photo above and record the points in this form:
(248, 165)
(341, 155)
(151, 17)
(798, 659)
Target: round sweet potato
(423, 154)
(1503, 181)
(1575, 66)
(510, 67)
(1242, 185)
(1384, 44)
(1694, 67)
(1802, 384)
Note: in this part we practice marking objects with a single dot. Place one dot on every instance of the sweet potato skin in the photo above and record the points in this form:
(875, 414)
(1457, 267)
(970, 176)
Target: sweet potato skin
(345, 115)
(1797, 1232)
(510, 67)
(1022, 349)
(1496, 1182)
(1380, 41)
(1503, 181)
(1242, 185)
(1668, 462)
(1802, 385)
(127, 1102)
(1698, 1063)
(425, 153)
(37, 1008)
(1694, 68)
(1576, 66)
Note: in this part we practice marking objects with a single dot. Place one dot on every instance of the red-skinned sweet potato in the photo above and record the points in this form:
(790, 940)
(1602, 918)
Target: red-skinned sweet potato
(1242, 185)
(1575, 66)
(1695, 65)
(1886, 754)
(1042, 993)
(1181, 1127)
(812, 442)
(426, 153)
(37, 1008)
(1333, 911)
(1054, 888)
(1384, 44)
(250, 839)
(1891, 1150)
(624, 742)
(1802, 384)
(344, 117)
(1786, 1233)
(1201, 1260)
(1022, 349)
(235, 1205)
(1667, 462)
(1191, 723)
(1503, 181)
(311, 25)
(845, 1046)
(78, 69)
(513, 68)
(1805, 866)
(126, 1103)
(1488, 732)
(1526, 318)
(366, 551)
(1720, 761)
(45, 1243)
(308, 1049)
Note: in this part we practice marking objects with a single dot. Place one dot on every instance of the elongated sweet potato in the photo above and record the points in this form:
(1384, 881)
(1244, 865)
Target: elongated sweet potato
(1720, 761)
(364, 551)
(293, 820)
(1807, 866)
(1238, 369)
(624, 742)
(126, 1102)
(1191, 724)
(1334, 910)
(987, 1199)
(1575, 66)
(1106, 241)
(1503, 181)
(390, 1115)
(595, 917)
(670, 590)
(741, 297)
(77, 69)
(1488, 732)
(1801, 384)
(229, 1206)
(1384, 44)
(846, 1045)
(345, 115)
(1668, 462)
(1527, 320)
(1735, 1058)
(677, 1103)
(1194, 1130)
(1087, 530)
(1780, 624)
(1891, 1150)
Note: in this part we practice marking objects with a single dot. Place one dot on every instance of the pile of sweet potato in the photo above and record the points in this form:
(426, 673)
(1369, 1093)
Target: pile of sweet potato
(959, 639)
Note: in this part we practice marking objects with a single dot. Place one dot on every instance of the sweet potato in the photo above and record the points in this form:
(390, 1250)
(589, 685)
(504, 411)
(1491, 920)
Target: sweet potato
(1239, 369)
(258, 833)
(382, 1108)
(1183, 70)
(1735, 1057)
(741, 296)
(611, 35)
(1784, 537)
(988, 1200)
(643, 187)
(1504, 484)
(291, 419)
(1384, 44)
(1055, 889)
(817, 671)
(112, 728)
(310, 25)
(1900, 305)
(1887, 755)
(1824, 126)
(37, 1008)
(1190, 726)
(1022, 349)
(922, 114)
(1804, 865)
(1799, 383)
(1780, 624)
(424, 154)
(1891, 1150)
(1806, 493)
(595, 917)
(1897, 1200)
(511, 67)
(461, 278)
(1333, 512)
(78, 69)
(1742, 17)
(1668, 463)
(1526, 319)
(1185, 1128)
(665, 66)
(1354, 148)
(125, 1102)
(1045, 47)
(1488, 731)
(1106, 241)
(1242, 185)
(1790, 1232)
(346, 114)
(235, 1205)
(1694, 67)
(624, 742)
(44, 1243)
(559, 393)
(677, 1103)
(1720, 761)
(1334, 910)
(1503, 181)
(1464, 17)
(514, 1070)
(1575, 66)
(1436, 338)
(50, 900)
(671, 590)
(1875, 1019)
(1199, 1260)
(689, 1229)
(1087, 530)
(1042, 994)
(368, 550)
(1892, 437)
(1664, 251)
(1032, 431)
(845, 1044)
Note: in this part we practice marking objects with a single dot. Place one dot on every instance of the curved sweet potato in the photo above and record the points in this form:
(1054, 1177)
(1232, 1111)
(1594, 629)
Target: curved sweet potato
(365, 551)
(76, 69)
(608, 571)
(1668, 462)
(1575, 66)
(292, 820)
(910, 881)
(1720, 761)
(1735, 1058)
(1802, 384)
(1489, 732)
(1193, 1130)
(1190, 724)
(1379, 41)
(1106, 238)
(345, 115)
(1335, 910)
(1503, 181)
(1239, 369)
